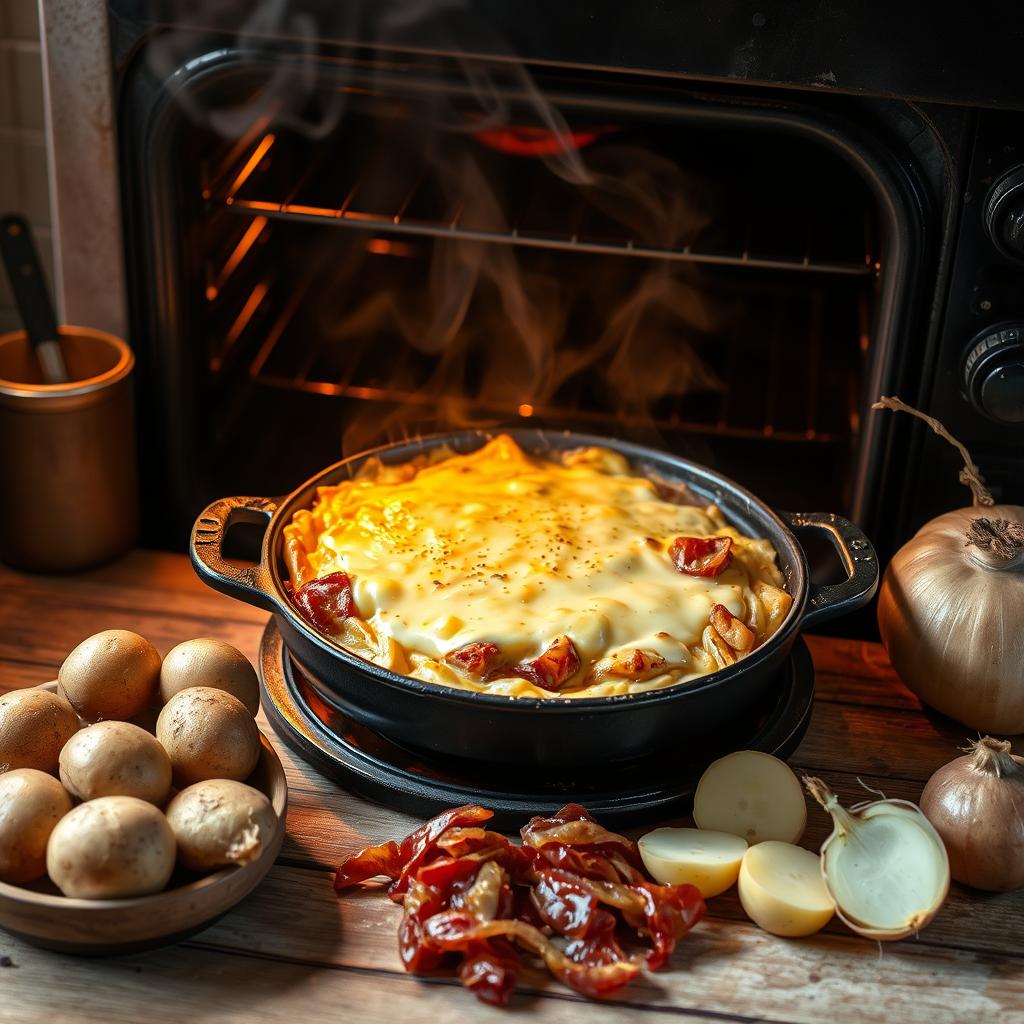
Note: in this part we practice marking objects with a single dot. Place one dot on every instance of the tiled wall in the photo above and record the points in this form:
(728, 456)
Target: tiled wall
(23, 182)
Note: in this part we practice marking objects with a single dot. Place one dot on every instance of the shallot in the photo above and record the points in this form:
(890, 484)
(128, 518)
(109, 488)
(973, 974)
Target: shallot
(976, 804)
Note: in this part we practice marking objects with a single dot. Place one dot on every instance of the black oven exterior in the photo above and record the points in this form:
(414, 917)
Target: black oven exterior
(930, 123)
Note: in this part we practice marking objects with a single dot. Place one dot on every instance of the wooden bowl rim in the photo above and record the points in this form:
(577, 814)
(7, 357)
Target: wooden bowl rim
(277, 783)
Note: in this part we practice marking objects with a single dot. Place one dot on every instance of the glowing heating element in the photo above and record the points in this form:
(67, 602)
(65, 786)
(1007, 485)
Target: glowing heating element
(502, 547)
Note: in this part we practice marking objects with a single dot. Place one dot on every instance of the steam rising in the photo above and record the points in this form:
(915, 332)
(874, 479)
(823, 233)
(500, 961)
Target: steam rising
(504, 327)
(510, 327)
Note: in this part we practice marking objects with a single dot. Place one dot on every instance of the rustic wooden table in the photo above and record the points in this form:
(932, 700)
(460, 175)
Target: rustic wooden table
(293, 951)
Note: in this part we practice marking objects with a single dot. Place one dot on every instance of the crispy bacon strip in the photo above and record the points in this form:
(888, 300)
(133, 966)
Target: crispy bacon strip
(701, 556)
(477, 844)
(731, 629)
(454, 931)
(599, 945)
(664, 912)
(571, 839)
(551, 670)
(564, 902)
(477, 658)
(326, 602)
(398, 861)
(670, 911)
(490, 971)
(634, 664)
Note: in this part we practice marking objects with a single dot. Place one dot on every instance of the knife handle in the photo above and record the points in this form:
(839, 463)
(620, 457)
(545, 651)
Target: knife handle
(32, 296)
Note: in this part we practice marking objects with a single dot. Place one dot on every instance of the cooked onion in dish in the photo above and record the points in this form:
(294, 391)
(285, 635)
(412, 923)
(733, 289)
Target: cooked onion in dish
(507, 573)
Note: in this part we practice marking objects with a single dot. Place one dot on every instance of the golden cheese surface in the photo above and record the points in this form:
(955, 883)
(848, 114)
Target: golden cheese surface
(504, 547)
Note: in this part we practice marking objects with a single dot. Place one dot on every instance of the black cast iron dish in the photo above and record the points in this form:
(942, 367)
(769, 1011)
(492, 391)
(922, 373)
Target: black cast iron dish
(638, 792)
(551, 731)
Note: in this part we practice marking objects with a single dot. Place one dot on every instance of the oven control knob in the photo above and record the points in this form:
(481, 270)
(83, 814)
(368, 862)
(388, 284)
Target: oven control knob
(1004, 213)
(994, 373)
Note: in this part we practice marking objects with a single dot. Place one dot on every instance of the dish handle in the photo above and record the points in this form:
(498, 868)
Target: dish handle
(859, 560)
(249, 583)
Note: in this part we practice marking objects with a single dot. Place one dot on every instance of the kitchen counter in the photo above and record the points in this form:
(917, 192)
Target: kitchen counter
(293, 951)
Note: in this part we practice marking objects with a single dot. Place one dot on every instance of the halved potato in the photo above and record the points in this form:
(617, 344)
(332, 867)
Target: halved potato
(708, 860)
(781, 889)
(753, 795)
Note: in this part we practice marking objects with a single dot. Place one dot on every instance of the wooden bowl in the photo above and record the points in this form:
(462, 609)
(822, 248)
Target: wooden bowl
(39, 914)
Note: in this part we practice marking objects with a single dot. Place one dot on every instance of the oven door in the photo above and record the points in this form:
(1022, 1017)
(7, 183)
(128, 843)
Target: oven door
(418, 245)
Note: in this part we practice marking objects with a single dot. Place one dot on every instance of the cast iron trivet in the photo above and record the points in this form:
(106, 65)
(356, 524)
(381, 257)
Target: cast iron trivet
(371, 766)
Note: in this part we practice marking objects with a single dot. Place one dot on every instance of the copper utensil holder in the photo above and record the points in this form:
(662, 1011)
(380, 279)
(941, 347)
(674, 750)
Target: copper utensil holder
(68, 479)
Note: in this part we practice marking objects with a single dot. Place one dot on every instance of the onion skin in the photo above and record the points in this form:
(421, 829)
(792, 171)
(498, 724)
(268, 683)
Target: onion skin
(976, 804)
(950, 616)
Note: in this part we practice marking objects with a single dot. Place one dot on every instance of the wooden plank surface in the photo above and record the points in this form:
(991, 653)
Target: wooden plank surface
(293, 950)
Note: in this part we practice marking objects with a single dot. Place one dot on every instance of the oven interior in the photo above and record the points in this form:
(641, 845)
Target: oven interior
(413, 249)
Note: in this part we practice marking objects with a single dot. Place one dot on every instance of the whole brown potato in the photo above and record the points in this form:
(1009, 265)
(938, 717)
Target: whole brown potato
(206, 661)
(208, 734)
(111, 848)
(34, 726)
(115, 759)
(220, 822)
(31, 804)
(111, 675)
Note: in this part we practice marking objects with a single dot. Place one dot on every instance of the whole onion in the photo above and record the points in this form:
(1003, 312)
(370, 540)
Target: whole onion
(951, 606)
(976, 804)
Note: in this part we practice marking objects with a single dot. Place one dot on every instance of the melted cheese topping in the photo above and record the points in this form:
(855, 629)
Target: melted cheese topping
(503, 547)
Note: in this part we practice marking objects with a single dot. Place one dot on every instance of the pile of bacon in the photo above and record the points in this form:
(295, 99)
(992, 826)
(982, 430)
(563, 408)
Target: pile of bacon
(473, 898)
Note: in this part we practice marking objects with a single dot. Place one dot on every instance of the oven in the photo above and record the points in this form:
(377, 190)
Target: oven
(723, 230)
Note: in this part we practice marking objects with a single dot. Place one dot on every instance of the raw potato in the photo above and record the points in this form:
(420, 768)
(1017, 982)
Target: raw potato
(111, 848)
(111, 675)
(708, 860)
(220, 822)
(208, 734)
(782, 890)
(34, 726)
(209, 662)
(31, 804)
(115, 759)
(753, 795)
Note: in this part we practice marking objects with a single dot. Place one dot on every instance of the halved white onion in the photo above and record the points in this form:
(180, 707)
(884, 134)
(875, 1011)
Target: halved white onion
(884, 865)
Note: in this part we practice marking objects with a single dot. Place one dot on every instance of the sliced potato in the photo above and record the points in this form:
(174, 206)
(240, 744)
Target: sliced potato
(753, 795)
(708, 860)
(776, 604)
(782, 891)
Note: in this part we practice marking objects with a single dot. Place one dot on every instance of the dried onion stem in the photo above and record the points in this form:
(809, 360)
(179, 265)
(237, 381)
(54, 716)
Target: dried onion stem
(970, 475)
(1000, 537)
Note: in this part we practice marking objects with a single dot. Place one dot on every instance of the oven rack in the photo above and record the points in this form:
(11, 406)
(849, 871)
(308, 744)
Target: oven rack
(783, 376)
(242, 188)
